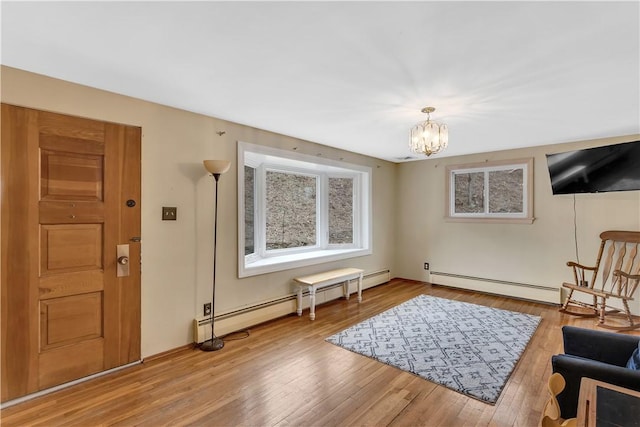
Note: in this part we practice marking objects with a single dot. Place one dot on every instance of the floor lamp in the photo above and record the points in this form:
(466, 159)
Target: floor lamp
(215, 168)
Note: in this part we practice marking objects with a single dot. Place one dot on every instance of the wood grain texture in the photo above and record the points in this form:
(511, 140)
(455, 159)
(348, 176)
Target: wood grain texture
(587, 415)
(285, 374)
(67, 363)
(71, 127)
(65, 314)
(79, 282)
(617, 264)
(130, 299)
(70, 319)
(20, 243)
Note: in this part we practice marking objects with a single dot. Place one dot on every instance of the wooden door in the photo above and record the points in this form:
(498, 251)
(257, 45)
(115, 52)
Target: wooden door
(70, 195)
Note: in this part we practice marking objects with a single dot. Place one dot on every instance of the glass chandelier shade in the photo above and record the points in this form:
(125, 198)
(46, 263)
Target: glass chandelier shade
(429, 137)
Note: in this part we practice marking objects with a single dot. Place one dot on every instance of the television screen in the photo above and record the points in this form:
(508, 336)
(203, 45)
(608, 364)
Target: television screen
(594, 170)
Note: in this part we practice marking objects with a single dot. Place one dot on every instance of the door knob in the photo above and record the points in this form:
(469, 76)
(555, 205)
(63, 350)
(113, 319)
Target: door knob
(122, 259)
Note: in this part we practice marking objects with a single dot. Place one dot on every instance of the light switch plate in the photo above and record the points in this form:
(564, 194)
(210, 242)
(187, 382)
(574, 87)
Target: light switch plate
(169, 214)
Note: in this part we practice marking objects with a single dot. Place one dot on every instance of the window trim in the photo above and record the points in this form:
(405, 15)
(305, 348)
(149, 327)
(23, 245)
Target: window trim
(526, 217)
(270, 158)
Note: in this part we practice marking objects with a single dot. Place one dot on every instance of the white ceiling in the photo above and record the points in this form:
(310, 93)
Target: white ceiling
(354, 75)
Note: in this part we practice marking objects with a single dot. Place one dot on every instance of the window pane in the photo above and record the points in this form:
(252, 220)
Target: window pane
(291, 210)
(506, 191)
(469, 192)
(340, 210)
(249, 204)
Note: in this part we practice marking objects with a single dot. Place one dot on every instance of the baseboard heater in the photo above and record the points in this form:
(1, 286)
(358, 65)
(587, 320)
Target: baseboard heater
(254, 314)
(526, 291)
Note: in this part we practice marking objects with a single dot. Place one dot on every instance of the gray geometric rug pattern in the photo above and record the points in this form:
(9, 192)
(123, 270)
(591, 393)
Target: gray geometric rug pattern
(469, 348)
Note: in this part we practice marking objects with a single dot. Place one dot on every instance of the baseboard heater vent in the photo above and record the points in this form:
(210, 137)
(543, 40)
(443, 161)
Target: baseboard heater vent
(526, 291)
(235, 320)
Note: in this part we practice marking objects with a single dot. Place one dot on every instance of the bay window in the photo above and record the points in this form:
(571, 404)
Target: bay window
(297, 210)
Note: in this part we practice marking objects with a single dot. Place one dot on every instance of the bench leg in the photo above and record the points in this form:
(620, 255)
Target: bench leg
(312, 302)
(299, 299)
(360, 288)
(345, 289)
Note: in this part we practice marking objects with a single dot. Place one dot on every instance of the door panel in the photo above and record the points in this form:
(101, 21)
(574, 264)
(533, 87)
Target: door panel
(65, 314)
(67, 176)
(70, 247)
(70, 319)
(67, 363)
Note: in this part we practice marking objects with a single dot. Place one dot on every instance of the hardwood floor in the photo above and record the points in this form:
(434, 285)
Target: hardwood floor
(285, 374)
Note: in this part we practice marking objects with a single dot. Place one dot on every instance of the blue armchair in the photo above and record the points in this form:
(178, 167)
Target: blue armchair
(593, 354)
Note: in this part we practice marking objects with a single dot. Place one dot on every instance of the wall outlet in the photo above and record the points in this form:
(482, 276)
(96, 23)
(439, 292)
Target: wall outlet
(207, 309)
(426, 265)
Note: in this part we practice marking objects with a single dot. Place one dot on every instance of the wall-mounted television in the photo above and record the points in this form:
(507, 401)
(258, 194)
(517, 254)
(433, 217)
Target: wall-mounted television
(594, 170)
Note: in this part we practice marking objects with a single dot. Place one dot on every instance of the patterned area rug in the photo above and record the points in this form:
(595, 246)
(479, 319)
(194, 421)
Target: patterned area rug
(469, 348)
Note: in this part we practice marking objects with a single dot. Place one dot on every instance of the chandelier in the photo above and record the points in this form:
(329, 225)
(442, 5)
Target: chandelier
(429, 137)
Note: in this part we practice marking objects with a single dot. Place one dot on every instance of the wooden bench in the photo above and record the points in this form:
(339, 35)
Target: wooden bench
(316, 281)
(618, 270)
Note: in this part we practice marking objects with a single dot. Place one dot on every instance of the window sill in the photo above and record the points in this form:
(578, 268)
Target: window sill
(489, 220)
(287, 262)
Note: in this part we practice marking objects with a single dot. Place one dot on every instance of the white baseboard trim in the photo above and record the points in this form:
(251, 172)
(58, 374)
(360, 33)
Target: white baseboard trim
(246, 317)
(526, 291)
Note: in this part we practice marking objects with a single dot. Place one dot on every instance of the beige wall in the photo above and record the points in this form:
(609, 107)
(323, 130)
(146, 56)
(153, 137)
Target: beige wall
(533, 254)
(408, 212)
(177, 255)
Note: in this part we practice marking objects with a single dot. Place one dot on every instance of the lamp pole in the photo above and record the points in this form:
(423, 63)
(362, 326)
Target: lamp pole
(216, 167)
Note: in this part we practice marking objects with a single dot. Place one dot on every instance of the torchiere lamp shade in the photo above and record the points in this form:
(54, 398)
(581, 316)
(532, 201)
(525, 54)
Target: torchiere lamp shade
(217, 166)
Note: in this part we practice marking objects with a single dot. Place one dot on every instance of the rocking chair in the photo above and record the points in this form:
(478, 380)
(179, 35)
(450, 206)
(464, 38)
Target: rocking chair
(618, 266)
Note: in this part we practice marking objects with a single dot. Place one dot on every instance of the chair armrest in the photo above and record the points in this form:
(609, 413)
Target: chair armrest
(627, 275)
(573, 369)
(584, 267)
(607, 347)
